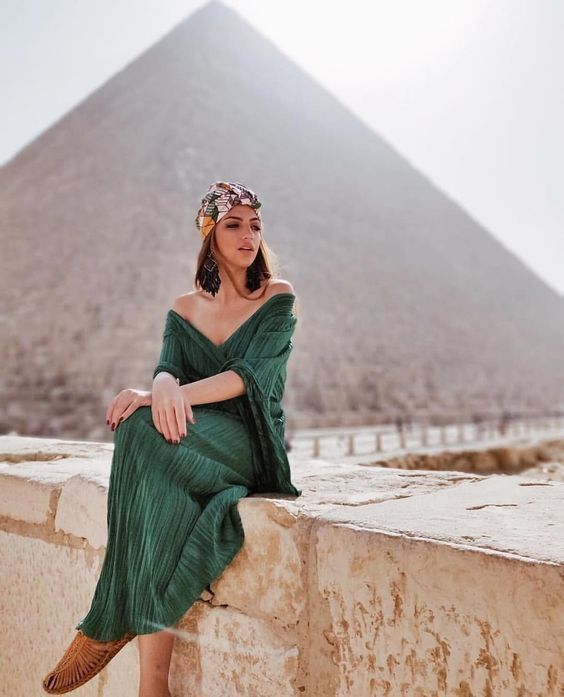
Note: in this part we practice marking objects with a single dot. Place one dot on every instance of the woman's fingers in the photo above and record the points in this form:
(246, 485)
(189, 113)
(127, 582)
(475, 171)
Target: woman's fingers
(190, 414)
(156, 418)
(165, 432)
(172, 431)
(127, 413)
(181, 420)
(188, 411)
(110, 410)
(119, 405)
(160, 419)
(171, 411)
(125, 403)
(177, 416)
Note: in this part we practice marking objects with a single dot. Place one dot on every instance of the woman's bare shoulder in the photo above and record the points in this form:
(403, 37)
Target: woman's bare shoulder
(187, 303)
(184, 303)
(279, 285)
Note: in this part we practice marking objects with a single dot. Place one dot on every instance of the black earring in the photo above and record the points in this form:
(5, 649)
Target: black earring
(253, 276)
(210, 280)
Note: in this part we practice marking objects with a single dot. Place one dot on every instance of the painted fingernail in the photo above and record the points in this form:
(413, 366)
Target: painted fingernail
(113, 425)
(108, 421)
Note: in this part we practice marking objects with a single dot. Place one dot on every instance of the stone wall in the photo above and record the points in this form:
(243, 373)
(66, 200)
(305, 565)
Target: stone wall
(376, 581)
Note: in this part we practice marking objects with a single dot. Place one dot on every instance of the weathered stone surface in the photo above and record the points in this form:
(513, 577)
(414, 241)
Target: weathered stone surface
(22, 497)
(376, 581)
(267, 579)
(45, 590)
(326, 484)
(82, 508)
(506, 514)
(221, 651)
(393, 615)
(34, 470)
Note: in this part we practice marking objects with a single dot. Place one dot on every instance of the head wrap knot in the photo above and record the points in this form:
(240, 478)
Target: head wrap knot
(220, 197)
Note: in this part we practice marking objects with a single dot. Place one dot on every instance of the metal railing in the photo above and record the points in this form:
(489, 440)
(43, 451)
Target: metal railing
(368, 440)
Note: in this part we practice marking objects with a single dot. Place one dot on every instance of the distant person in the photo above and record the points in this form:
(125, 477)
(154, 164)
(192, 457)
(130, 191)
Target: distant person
(173, 523)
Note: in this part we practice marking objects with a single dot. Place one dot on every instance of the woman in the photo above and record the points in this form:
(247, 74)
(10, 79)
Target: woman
(209, 433)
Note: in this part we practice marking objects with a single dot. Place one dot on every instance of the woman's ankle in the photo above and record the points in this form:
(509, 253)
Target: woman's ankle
(154, 691)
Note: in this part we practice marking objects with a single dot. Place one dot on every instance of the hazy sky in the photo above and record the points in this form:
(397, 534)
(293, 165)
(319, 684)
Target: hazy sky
(470, 91)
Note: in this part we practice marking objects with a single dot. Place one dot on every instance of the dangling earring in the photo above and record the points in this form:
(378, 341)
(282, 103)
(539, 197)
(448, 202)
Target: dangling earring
(253, 276)
(210, 280)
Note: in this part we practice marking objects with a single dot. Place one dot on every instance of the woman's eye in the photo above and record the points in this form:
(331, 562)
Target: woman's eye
(255, 227)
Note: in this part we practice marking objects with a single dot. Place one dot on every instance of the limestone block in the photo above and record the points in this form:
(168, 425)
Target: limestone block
(16, 449)
(326, 484)
(392, 615)
(509, 514)
(33, 471)
(221, 652)
(267, 577)
(377, 581)
(458, 591)
(25, 497)
(46, 590)
(81, 510)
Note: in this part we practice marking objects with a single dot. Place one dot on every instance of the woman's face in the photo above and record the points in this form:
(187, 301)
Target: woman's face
(240, 227)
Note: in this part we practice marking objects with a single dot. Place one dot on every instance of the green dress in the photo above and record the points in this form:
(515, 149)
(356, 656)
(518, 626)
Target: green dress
(173, 522)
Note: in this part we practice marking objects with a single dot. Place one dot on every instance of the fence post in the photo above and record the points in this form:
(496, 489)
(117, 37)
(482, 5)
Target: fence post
(316, 446)
(378, 442)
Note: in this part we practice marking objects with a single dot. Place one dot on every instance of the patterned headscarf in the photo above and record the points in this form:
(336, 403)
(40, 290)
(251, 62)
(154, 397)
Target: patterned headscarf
(220, 197)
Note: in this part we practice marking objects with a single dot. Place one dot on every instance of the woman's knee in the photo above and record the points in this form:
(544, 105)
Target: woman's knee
(133, 425)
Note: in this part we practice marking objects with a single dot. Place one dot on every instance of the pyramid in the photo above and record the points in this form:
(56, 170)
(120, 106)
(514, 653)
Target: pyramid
(407, 304)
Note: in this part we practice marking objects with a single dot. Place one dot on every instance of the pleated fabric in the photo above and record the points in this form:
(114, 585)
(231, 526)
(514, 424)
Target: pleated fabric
(173, 521)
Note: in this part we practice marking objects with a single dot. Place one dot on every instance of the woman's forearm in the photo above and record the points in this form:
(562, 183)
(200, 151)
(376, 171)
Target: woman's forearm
(216, 388)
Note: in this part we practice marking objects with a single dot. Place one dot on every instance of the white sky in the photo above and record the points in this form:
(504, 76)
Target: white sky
(470, 91)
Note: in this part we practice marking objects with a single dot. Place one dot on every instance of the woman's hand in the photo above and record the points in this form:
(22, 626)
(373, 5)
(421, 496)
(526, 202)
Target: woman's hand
(170, 408)
(125, 403)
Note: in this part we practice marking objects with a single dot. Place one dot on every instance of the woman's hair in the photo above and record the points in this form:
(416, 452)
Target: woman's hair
(266, 261)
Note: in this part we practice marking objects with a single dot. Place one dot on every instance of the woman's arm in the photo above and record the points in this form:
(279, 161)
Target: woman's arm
(215, 388)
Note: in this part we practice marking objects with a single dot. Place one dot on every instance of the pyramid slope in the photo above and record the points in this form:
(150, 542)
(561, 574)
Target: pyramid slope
(406, 301)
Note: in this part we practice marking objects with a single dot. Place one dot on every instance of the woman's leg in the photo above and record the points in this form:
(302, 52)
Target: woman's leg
(155, 652)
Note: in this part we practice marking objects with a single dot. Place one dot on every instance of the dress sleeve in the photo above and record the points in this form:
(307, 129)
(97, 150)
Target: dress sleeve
(261, 368)
(171, 358)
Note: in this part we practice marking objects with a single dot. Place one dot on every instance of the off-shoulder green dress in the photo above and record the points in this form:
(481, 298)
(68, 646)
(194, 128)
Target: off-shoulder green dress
(173, 522)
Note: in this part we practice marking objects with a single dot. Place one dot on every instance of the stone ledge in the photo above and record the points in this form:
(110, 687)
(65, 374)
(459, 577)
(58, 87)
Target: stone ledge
(500, 514)
(375, 580)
